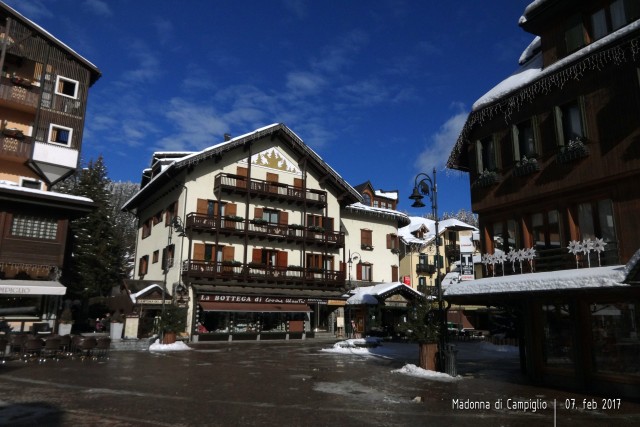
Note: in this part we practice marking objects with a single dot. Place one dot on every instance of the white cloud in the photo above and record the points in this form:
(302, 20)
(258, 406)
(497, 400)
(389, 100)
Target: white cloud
(441, 143)
(98, 7)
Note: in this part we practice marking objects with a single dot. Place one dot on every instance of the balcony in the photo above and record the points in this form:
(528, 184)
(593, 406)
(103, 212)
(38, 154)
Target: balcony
(260, 230)
(16, 148)
(236, 184)
(22, 96)
(55, 154)
(263, 275)
(425, 269)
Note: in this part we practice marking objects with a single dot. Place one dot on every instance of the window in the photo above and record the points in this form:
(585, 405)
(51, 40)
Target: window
(546, 230)
(60, 134)
(271, 216)
(486, 155)
(598, 25)
(66, 87)
(524, 140)
(167, 257)
(157, 218)
(612, 17)
(558, 326)
(574, 34)
(595, 220)
(30, 183)
(143, 265)
(171, 213)
(366, 239)
(366, 199)
(569, 122)
(365, 272)
(155, 257)
(146, 228)
(34, 227)
(394, 273)
(393, 242)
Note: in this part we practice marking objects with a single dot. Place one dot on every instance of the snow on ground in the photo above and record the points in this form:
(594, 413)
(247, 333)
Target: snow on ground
(375, 347)
(176, 346)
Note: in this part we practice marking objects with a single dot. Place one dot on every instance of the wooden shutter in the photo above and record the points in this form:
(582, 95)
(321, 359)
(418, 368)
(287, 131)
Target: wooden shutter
(394, 273)
(244, 173)
(202, 206)
(198, 251)
(298, 182)
(257, 213)
(230, 209)
(228, 253)
(256, 255)
(272, 177)
(284, 218)
(282, 258)
(389, 237)
(358, 271)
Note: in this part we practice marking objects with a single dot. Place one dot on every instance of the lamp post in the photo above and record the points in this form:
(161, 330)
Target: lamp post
(425, 185)
(355, 257)
(352, 258)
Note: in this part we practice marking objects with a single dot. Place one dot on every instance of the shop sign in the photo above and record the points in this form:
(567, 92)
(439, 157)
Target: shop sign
(406, 280)
(253, 299)
(154, 301)
(466, 258)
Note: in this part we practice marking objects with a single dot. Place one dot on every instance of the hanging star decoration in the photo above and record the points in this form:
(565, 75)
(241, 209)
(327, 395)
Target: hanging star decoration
(575, 247)
(492, 260)
(485, 261)
(501, 258)
(598, 246)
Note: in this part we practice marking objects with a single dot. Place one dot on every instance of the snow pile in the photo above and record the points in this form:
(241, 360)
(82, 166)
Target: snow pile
(414, 371)
(361, 346)
(176, 346)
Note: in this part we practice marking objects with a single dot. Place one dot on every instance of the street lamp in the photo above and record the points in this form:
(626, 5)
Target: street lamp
(424, 185)
(177, 225)
(355, 257)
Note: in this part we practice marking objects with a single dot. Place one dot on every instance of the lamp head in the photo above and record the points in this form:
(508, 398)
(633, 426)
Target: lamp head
(416, 194)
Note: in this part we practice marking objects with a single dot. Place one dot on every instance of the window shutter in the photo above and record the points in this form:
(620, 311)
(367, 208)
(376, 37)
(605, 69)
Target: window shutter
(394, 273)
(256, 255)
(358, 271)
(198, 251)
(479, 165)
(202, 206)
(389, 237)
(282, 259)
(515, 142)
(284, 218)
(557, 114)
(298, 183)
(230, 209)
(228, 253)
(257, 213)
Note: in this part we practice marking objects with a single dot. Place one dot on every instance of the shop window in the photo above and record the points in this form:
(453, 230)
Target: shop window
(60, 134)
(34, 227)
(616, 343)
(558, 326)
(66, 87)
(524, 140)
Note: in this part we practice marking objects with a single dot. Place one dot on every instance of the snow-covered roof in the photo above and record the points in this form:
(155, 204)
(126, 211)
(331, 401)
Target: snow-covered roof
(95, 72)
(8, 185)
(370, 294)
(217, 149)
(417, 222)
(402, 218)
(134, 296)
(584, 278)
(393, 195)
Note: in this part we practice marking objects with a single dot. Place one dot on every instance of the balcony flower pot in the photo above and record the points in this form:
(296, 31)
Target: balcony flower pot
(576, 149)
(526, 167)
(13, 133)
(486, 179)
(233, 218)
(21, 81)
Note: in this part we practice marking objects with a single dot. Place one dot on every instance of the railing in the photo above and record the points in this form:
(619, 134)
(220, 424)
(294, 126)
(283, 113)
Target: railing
(425, 269)
(20, 148)
(273, 190)
(19, 94)
(258, 229)
(257, 274)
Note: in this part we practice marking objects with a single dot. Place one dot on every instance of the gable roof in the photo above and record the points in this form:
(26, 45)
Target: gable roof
(372, 295)
(95, 72)
(217, 151)
(418, 222)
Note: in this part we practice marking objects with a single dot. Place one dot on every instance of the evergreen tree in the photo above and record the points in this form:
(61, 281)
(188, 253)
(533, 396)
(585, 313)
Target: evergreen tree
(94, 267)
(125, 224)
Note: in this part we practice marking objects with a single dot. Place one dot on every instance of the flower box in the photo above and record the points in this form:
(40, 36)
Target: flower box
(526, 167)
(13, 133)
(21, 81)
(574, 150)
(486, 179)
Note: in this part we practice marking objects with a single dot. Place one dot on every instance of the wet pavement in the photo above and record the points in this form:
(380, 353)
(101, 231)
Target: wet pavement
(285, 384)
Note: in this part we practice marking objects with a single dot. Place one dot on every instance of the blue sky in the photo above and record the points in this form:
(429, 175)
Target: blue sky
(380, 89)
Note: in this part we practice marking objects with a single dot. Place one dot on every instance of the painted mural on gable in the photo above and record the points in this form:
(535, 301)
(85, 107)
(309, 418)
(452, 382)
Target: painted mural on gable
(272, 158)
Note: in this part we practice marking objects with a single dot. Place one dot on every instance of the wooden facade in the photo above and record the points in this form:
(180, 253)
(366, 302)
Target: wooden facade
(554, 158)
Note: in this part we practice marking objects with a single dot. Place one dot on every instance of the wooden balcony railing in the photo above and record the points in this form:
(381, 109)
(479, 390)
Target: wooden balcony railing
(15, 147)
(259, 274)
(261, 230)
(425, 269)
(18, 94)
(230, 183)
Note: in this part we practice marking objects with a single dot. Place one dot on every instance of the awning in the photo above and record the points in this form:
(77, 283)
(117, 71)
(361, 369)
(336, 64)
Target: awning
(255, 308)
(31, 287)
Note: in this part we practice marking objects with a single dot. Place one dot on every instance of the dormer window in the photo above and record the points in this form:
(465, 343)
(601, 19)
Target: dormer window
(366, 199)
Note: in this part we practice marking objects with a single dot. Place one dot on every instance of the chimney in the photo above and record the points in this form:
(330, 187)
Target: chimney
(227, 137)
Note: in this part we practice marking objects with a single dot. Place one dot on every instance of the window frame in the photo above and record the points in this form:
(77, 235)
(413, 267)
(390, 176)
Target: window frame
(516, 131)
(481, 154)
(68, 80)
(559, 114)
(53, 126)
